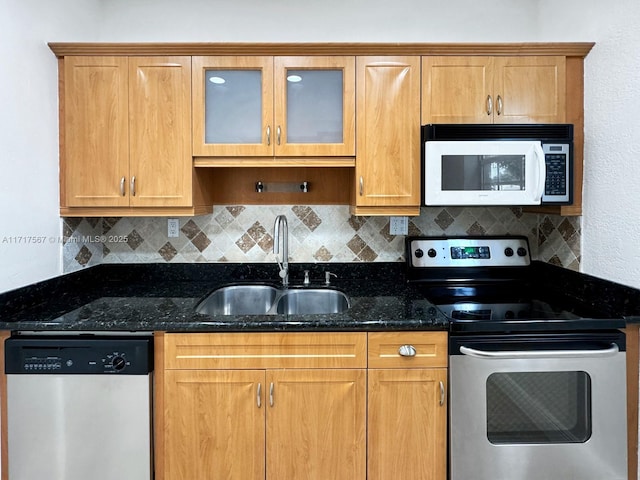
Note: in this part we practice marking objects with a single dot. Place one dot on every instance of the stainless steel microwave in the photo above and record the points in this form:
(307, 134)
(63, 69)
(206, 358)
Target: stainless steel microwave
(493, 164)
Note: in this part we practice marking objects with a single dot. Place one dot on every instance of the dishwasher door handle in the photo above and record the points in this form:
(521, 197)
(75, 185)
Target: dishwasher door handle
(472, 352)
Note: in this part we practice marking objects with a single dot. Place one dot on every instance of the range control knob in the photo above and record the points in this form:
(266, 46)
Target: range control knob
(419, 253)
(118, 363)
(522, 251)
(432, 253)
(508, 252)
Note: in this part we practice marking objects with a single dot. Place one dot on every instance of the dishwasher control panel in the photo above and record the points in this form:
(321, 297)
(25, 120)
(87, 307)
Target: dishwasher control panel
(78, 355)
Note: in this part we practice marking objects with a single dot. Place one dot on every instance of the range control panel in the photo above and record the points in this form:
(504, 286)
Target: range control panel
(78, 355)
(468, 252)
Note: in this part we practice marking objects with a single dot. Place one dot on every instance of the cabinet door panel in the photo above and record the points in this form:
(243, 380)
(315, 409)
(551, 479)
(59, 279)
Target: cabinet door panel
(96, 141)
(388, 159)
(532, 89)
(233, 106)
(316, 426)
(457, 90)
(214, 428)
(160, 131)
(407, 425)
(314, 106)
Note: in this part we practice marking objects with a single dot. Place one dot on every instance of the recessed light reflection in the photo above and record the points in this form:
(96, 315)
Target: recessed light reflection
(294, 78)
(217, 80)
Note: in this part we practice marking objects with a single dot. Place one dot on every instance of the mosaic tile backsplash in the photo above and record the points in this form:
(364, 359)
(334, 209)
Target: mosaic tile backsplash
(317, 233)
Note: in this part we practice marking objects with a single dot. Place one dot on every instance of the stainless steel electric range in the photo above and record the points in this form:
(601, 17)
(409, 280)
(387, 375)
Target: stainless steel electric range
(536, 378)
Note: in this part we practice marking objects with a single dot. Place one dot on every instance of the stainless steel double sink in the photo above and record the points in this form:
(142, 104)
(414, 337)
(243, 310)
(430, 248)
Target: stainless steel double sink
(259, 299)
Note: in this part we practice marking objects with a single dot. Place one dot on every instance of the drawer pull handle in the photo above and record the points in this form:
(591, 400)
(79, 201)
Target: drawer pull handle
(407, 351)
(259, 396)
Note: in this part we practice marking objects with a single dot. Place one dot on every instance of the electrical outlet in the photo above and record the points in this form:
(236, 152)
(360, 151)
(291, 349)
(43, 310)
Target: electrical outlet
(173, 227)
(398, 225)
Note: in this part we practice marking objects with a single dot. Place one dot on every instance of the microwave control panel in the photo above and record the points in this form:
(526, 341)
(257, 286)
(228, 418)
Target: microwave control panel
(558, 171)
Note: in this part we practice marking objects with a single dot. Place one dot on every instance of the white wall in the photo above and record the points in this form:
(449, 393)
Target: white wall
(29, 132)
(319, 20)
(611, 218)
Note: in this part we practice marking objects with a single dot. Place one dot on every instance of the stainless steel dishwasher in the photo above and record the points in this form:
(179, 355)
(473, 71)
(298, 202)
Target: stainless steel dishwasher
(79, 407)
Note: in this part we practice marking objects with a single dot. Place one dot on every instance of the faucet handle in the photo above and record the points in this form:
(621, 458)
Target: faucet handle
(327, 277)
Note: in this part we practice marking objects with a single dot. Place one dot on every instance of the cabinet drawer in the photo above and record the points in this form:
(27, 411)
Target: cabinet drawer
(430, 349)
(264, 350)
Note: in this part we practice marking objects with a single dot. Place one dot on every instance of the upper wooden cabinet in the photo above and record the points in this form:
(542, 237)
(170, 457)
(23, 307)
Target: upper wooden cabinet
(95, 160)
(387, 175)
(247, 106)
(481, 89)
(142, 125)
(125, 130)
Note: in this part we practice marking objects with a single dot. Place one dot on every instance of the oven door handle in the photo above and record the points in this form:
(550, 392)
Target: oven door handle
(472, 352)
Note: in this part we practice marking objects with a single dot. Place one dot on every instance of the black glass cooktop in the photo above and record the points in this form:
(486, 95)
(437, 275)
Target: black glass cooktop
(515, 306)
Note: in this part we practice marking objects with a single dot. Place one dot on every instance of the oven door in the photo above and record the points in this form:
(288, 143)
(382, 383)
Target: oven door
(538, 407)
(484, 172)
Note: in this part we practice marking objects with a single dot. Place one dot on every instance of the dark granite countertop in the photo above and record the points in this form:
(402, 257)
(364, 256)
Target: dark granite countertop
(148, 297)
(162, 297)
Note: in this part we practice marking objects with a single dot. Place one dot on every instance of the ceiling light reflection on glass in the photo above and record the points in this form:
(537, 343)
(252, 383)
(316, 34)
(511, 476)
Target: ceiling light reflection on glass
(294, 78)
(217, 80)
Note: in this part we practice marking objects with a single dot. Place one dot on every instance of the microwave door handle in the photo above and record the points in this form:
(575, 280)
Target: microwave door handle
(542, 170)
(472, 352)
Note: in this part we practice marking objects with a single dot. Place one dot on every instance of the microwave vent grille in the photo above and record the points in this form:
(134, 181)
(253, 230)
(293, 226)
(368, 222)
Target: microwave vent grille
(499, 132)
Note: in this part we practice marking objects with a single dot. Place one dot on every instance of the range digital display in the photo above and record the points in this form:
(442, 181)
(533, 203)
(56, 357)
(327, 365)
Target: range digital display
(463, 253)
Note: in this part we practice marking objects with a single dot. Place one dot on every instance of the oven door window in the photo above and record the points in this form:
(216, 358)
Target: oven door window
(538, 407)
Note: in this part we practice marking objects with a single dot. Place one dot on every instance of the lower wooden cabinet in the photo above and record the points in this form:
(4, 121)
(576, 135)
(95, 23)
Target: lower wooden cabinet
(300, 422)
(407, 424)
(407, 405)
(316, 424)
(212, 425)
(291, 406)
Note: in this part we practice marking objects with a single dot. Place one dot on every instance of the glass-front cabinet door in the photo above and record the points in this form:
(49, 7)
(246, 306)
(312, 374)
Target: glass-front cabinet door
(315, 106)
(251, 106)
(232, 106)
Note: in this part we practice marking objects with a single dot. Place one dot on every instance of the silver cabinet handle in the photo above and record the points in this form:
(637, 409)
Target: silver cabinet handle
(472, 352)
(268, 135)
(499, 105)
(361, 186)
(271, 394)
(489, 105)
(133, 186)
(122, 180)
(259, 395)
(407, 351)
(442, 397)
(278, 134)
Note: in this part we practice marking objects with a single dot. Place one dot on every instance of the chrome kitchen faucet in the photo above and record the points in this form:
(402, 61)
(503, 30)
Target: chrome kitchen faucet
(281, 222)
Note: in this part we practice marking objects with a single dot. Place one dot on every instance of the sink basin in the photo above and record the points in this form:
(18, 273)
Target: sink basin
(268, 300)
(239, 300)
(312, 300)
